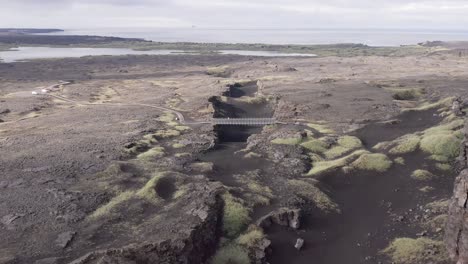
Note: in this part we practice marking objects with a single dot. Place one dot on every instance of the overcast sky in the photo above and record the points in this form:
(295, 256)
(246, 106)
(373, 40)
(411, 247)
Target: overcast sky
(412, 14)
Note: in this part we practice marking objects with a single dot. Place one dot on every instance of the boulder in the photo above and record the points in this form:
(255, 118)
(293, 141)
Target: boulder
(283, 217)
(299, 243)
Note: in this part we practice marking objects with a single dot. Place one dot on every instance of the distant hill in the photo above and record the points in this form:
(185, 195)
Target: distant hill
(28, 30)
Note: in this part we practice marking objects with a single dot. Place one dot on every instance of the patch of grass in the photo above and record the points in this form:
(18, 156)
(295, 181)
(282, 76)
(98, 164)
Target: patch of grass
(410, 251)
(178, 145)
(286, 141)
(202, 167)
(231, 254)
(321, 167)
(349, 142)
(252, 155)
(442, 129)
(148, 191)
(321, 128)
(399, 161)
(372, 161)
(406, 144)
(220, 71)
(444, 166)
(182, 155)
(156, 152)
(235, 216)
(311, 192)
(446, 102)
(436, 222)
(422, 175)
(406, 94)
(182, 128)
(315, 145)
(251, 237)
(108, 208)
(150, 138)
(442, 147)
(167, 133)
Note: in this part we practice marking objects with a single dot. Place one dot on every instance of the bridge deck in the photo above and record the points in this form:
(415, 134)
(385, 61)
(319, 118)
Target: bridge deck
(243, 121)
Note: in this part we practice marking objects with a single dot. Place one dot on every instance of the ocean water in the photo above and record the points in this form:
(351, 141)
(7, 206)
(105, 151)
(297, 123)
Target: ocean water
(371, 37)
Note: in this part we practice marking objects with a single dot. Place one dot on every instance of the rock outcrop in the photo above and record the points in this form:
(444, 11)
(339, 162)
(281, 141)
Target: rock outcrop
(456, 230)
(283, 217)
(185, 231)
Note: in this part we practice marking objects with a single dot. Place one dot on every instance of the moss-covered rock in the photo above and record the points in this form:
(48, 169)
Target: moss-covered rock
(411, 251)
(372, 161)
(422, 175)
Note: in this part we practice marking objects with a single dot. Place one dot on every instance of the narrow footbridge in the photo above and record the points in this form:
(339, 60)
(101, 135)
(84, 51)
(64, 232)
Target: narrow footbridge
(243, 121)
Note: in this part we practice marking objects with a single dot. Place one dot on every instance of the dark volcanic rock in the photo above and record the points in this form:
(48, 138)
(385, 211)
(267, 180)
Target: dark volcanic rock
(191, 236)
(456, 231)
(283, 217)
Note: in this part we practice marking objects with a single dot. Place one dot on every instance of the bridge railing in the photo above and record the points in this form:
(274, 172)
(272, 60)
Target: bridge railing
(243, 121)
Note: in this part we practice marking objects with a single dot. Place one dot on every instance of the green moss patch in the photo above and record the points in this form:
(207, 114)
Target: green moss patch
(444, 166)
(249, 239)
(406, 93)
(442, 147)
(286, 141)
(446, 102)
(235, 216)
(321, 167)
(405, 144)
(399, 161)
(203, 167)
(167, 133)
(373, 162)
(251, 155)
(411, 251)
(311, 192)
(315, 145)
(321, 128)
(422, 175)
(156, 152)
(231, 254)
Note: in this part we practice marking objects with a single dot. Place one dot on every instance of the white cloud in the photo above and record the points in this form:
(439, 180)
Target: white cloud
(448, 14)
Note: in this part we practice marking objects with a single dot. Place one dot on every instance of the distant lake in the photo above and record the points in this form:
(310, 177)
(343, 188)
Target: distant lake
(372, 37)
(29, 53)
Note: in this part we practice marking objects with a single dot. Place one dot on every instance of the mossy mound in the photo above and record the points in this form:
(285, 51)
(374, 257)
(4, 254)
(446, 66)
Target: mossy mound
(167, 133)
(422, 175)
(315, 145)
(444, 166)
(349, 142)
(406, 93)
(310, 192)
(321, 167)
(373, 162)
(405, 144)
(442, 147)
(235, 216)
(202, 167)
(446, 102)
(253, 235)
(231, 254)
(399, 161)
(151, 154)
(411, 251)
(321, 128)
(286, 141)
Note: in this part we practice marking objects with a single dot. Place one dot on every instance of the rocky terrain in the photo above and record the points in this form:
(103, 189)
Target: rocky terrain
(362, 160)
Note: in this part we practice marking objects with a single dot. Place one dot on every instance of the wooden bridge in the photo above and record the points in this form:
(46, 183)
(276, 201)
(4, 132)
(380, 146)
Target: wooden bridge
(243, 121)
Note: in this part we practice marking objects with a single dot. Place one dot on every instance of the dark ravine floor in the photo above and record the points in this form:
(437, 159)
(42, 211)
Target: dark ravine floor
(375, 207)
